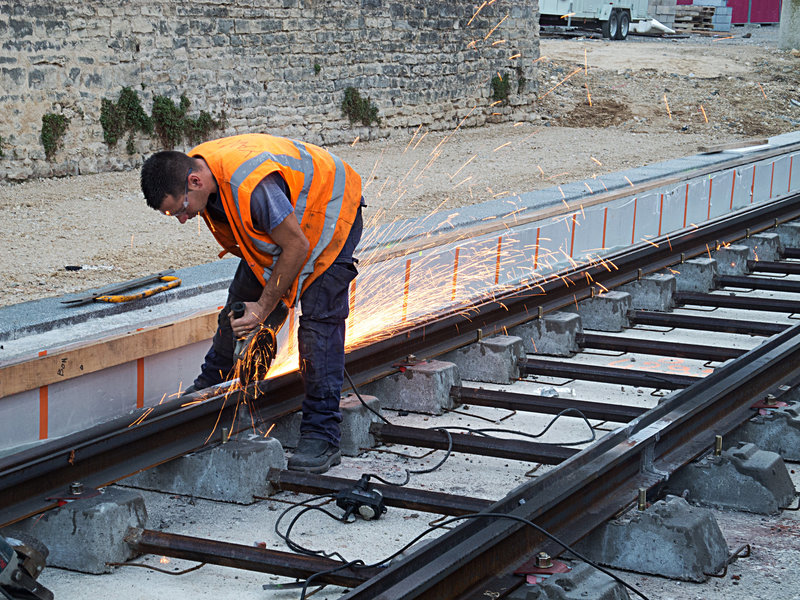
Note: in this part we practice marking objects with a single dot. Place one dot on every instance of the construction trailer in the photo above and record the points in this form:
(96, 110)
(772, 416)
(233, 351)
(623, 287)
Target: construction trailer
(613, 17)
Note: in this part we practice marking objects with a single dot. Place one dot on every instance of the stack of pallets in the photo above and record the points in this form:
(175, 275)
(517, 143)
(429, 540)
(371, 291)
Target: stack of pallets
(690, 18)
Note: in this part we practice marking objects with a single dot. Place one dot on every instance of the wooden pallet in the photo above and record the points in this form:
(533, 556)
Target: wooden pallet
(693, 18)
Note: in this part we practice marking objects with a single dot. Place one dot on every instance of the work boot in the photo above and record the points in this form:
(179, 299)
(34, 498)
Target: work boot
(314, 456)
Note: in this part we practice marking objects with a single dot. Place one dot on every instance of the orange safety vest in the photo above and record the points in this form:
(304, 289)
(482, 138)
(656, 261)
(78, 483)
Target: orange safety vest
(324, 190)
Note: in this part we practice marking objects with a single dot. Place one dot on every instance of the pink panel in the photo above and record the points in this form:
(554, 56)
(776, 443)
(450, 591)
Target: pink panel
(740, 10)
(765, 11)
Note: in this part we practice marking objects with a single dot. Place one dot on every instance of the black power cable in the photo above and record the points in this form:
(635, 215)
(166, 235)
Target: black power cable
(360, 563)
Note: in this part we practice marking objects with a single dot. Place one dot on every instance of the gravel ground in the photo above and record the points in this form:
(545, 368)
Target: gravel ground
(646, 98)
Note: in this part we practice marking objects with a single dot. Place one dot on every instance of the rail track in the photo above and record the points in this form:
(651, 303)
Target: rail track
(744, 359)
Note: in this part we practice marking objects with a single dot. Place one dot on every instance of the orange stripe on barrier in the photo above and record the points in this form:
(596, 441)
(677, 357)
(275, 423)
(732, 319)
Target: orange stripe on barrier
(455, 275)
(660, 213)
(605, 221)
(633, 229)
(536, 255)
(791, 161)
(710, 187)
(771, 179)
(733, 187)
(44, 407)
(43, 412)
(405, 289)
(572, 241)
(140, 383)
(685, 205)
(497, 264)
(753, 185)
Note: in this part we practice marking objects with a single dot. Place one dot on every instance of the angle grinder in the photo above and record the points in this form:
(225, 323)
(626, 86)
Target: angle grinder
(254, 352)
(20, 565)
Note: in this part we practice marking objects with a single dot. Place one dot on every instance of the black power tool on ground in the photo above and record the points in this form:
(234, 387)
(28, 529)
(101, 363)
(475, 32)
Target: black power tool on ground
(254, 353)
(20, 565)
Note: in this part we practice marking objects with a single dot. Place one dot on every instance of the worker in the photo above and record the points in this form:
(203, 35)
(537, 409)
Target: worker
(291, 211)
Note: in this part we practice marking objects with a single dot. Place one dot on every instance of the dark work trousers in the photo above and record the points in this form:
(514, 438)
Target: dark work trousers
(325, 306)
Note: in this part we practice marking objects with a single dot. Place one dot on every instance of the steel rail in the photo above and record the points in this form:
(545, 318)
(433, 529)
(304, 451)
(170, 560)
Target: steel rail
(763, 266)
(546, 405)
(600, 480)
(514, 449)
(251, 558)
(109, 452)
(566, 370)
(660, 348)
(393, 495)
(758, 283)
(705, 323)
(738, 302)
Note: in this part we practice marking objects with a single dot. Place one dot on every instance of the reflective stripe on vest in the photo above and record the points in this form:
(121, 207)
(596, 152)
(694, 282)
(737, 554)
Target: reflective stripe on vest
(304, 164)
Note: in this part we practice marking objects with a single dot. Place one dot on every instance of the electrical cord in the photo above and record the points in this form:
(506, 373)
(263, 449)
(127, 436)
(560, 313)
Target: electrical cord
(360, 399)
(294, 546)
(443, 524)
(410, 472)
(483, 431)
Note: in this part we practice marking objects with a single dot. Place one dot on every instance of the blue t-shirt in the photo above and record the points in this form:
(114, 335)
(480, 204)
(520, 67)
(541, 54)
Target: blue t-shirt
(269, 203)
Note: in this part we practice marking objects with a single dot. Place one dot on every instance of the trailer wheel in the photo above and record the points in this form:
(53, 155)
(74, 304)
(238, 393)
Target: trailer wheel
(624, 25)
(611, 26)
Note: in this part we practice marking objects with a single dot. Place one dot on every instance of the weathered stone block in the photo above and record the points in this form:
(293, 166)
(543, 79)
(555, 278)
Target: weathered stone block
(555, 334)
(732, 260)
(85, 534)
(695, 275)
(671, 539)
(582, 582)
(492, 360)
(763, 246)
(776, 431)
(606, 312)
(230, 472)
(744, 478)
(422, 387)
(652, 292)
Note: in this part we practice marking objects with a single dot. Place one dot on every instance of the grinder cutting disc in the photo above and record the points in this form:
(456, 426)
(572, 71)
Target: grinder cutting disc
(260, 347)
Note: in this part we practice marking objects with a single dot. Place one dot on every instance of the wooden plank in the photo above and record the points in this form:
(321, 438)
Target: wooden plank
(103, 354)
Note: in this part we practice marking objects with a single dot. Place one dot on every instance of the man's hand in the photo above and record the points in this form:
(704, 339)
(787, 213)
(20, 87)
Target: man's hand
(254, 315)
(294, 248)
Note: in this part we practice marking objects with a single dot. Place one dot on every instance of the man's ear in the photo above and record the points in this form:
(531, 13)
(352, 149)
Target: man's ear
(195, 181)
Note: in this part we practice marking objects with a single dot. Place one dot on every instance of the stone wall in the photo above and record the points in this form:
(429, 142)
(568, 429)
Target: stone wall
(269, 65)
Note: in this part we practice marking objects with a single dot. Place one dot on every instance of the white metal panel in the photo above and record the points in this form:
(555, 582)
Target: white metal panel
(19, 419)
(721, 193)
(79, 403)
(165, 372)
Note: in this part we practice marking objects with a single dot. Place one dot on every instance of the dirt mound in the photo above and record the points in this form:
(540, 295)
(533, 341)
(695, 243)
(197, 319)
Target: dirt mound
(600, 114)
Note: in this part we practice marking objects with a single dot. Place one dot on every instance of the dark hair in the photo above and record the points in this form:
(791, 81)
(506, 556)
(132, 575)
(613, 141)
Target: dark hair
(163, 174)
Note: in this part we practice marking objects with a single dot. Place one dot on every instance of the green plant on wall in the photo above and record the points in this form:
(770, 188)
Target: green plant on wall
(356, 108)
(126, 115)
(2, 141)
(53, 129)
(172, 122)
(500, 87)
(168, 119)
